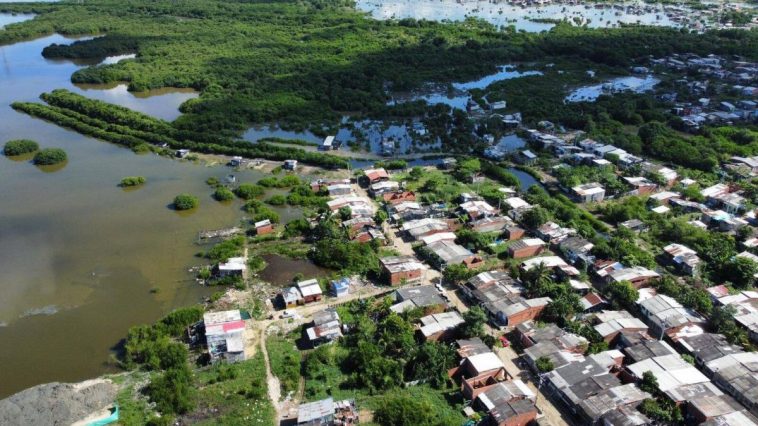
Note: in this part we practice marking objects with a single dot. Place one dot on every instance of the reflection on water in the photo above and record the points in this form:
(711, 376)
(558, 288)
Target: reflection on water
(162, 103)
(104, 258)
(254, 134)
(7, 18)
(633, 84)
(526, 180)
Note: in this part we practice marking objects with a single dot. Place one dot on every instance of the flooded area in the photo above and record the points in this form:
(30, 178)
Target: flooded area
(83, 259)
(538, 18)
(622, 84)
(161, 103)
(281, 271)
(6, 19)
(526, 180)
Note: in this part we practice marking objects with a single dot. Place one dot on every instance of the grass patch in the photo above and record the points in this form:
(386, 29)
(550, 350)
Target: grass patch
(285, 361)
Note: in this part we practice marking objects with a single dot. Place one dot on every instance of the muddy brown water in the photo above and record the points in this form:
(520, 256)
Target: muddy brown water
(281, 270)
(82, 259)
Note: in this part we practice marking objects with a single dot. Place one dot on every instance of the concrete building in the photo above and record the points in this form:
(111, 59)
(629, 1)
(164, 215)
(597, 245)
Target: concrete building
(225, 335)
(638, 276)
(403, 269)
(666, 316)
(683, 258)
(310, 290)
(589, 192)
(326, 328)
(440, 326)
(234, 266)
(263, 227)
(527, 247)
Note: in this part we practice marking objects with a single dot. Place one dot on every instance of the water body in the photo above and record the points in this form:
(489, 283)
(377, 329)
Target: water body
(162, 103)
(82, 259)
(6, 19)
(109, 60)
(501, 14)
(254, 134)
(633, 84)
(281, 270)
(525, 179)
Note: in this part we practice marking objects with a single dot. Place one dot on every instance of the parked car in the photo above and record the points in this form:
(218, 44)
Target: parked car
(504, 340)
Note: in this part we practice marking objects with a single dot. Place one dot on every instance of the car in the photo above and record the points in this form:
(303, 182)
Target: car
(288, 314)
(504, 340)
(439, 287)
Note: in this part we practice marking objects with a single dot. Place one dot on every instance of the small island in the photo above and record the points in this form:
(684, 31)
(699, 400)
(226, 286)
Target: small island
(223, 194)
(20, 147)
(50, 156)
(185, 202)
(132, 181)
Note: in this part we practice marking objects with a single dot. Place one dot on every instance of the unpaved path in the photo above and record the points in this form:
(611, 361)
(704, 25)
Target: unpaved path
(274, 389)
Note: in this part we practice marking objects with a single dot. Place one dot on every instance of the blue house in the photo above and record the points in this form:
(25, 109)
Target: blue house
(341, 287)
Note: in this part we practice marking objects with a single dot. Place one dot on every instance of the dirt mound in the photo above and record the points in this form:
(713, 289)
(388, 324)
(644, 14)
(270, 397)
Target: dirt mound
(57, 403)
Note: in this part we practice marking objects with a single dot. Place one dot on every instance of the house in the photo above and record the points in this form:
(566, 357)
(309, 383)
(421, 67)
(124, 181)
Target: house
(515, 310)
(640, 185)
(508, 404)
(425, 296)
(289, 165)
(635, 225)
(234, 266)
(592, 408)
(423, 227)
(326, 328)
(403, 269)
(638, 276)
(398, 197)
(327, 144)
(310, 290)
(664, 197)
(340, 287)
(513, 233)
(338, 189)
(448, 253)
(577, 249)
(592, 302)
(526, 157)
(263, 227)
(181, 153)
(291, 297)
(527, 247)
(554, 263)
(477, 209)
(671, 371)
(611, 327)
(383, 187)
(589, 192)
(553, 233)
(448, 163)
(442, 326)
(683, 258)
(518, 207)
(666, 316)
(376, 175)
(490, 224)
(327, 412)
(225, 335)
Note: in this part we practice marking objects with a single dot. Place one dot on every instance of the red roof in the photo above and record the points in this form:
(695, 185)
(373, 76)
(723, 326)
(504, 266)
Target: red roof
(375, 174)
(593, 299)
(234, 325)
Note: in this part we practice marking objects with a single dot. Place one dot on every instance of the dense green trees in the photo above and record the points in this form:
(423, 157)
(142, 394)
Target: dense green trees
(622, 294)
(130, 181)
(50, 156)
(223, 194)
(185, 202)
(19, 147)
(248, 191)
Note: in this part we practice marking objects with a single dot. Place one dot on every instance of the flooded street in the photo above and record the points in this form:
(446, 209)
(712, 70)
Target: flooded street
(82, 259)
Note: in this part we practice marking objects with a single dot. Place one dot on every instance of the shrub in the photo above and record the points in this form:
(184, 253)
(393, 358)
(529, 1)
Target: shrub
(132, 181)
(20, 146)
(185, 202)
(277, 200)
(172, 391)
(223, 194)
(50, 156)
(248, 191)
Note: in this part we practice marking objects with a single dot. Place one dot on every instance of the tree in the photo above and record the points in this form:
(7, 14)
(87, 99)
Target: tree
(535, 217)
(248, 191)
(345, 213)
(185, 202)
(622, 294)
(649, 383)
(19, 147)
(380, 217)
(740, 271)
(403, 410)
(223, 194)
(457, 273)
(474, 318)
(544, 364)
(431, 363)
(562, 308)
(467, 168)
(416, 173)
(173, 391)
(130, 181)
(50, 156)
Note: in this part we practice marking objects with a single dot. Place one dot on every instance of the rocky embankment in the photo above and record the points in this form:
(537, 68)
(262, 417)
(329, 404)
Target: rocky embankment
(57, 403)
